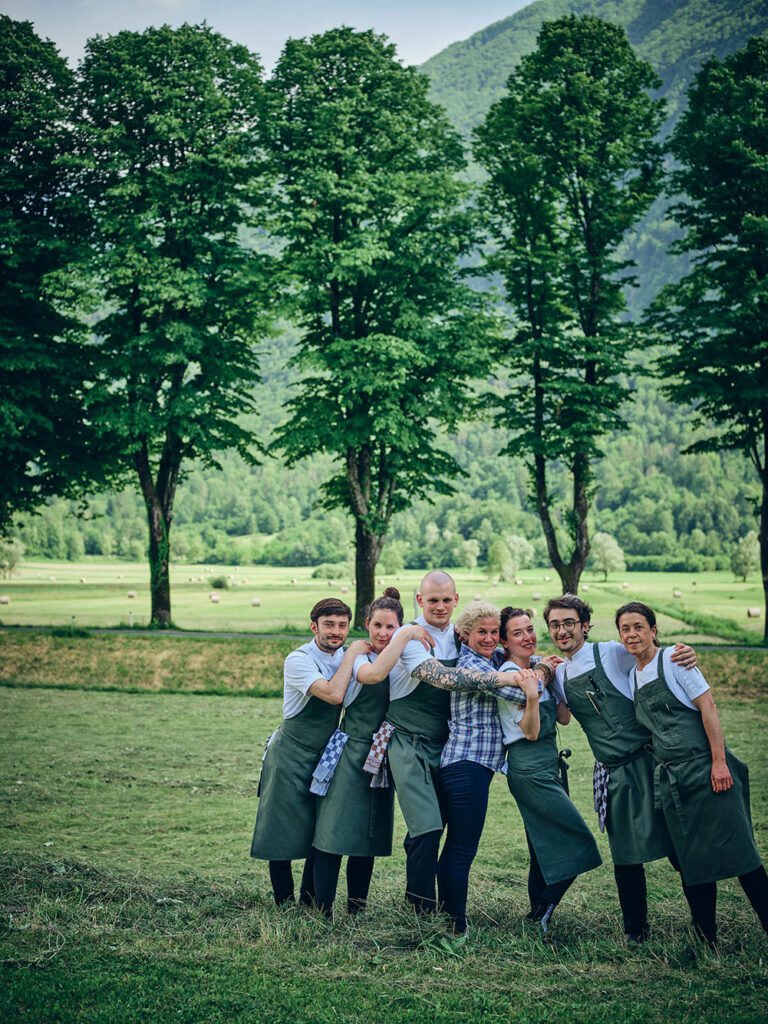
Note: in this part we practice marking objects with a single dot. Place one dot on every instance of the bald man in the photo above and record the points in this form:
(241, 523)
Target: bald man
(419, 695)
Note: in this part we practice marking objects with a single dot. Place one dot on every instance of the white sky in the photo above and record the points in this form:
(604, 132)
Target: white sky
(419, 28)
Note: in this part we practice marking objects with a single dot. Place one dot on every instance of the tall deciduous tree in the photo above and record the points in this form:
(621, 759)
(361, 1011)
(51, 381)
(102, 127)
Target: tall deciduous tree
(43, 223)
(716, 317)
(370, 210)
(573, 163)
(168, 121)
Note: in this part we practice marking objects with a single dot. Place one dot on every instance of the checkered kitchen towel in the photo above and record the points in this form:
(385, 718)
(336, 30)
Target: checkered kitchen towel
(600, 779)
(376, 761)
(326, 766)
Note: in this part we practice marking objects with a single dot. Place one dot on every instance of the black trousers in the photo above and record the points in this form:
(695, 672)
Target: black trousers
(359, 872)
(281, 877)
(421, 869)
(702, 899)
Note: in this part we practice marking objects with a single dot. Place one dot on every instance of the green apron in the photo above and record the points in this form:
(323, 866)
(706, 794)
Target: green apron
(712, 832)
(285, 820)
(421, 729)
(636, 828)
(353, 819)
(559, 835)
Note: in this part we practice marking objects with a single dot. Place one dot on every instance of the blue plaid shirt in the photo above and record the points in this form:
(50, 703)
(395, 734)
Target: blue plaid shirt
(475, 726)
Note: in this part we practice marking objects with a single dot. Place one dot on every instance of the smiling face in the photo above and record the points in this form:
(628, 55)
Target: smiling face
(483, 638)
(381, 625)
(568, 634)
(520, 641)
(437, 600)
(638, 636)
(330, 632)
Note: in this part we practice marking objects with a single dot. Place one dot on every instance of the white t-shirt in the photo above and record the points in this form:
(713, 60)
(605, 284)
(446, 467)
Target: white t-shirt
(401, 681)
(684, 683)
(510, 714)
(354, 688)
(616, 660)
(304, 667)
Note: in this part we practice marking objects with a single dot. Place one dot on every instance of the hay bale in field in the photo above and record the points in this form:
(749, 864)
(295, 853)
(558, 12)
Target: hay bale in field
(256, 602)
(753, 613)
(478, 597)
(535, 597)
(345, 590)
(4, 599)
(82, 579)
(518, 583)
(625, 586)
(131, 593)
(214, 597)
(585, 587)
(294, 580)
(677, 593)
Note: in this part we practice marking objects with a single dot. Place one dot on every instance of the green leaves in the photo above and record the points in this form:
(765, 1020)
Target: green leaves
(573, 162)
(372, 216)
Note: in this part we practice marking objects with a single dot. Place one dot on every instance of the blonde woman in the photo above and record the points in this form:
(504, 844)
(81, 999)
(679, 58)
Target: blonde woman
(473, 753)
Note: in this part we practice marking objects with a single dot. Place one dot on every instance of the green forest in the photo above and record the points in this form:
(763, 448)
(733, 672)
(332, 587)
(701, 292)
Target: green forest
(355, 313)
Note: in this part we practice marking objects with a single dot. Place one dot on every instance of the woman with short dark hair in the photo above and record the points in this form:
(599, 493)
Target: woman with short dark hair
(702, 788)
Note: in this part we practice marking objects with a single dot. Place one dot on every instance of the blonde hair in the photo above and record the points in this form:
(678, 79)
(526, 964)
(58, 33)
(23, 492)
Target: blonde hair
(472, 614)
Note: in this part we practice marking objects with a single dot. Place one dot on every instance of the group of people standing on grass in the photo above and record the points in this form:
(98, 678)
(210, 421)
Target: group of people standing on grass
(431, 711)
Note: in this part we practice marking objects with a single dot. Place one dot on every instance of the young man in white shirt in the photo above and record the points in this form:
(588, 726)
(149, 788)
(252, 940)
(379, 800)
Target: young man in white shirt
(316, 676)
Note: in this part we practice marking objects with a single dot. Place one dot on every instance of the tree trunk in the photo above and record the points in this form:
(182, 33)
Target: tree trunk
(569, 572)
(158, 498)
(367, 550)
(159, 578)
(763, 538)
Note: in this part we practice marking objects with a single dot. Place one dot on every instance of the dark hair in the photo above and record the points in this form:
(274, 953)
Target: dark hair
(389, 602)
(509, 613)
(638, 608)
(330, 606)
(572, 602)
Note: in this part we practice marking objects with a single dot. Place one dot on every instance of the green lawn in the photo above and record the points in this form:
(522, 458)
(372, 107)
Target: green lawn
(128, 893)
(102, 600)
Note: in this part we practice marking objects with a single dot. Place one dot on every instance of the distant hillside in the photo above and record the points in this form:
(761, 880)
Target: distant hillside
(674, 36)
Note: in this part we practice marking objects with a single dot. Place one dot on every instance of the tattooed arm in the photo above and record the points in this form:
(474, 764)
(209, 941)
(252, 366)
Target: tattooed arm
(470, 680)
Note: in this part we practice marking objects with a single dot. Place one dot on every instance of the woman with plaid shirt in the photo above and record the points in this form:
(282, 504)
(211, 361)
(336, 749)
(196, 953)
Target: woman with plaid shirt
(473, 753)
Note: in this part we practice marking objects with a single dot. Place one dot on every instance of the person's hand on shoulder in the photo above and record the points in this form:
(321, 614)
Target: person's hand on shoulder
(417, 632)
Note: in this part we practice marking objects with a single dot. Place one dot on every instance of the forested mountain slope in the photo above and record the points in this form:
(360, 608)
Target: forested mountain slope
(674, 36)
(665, 509)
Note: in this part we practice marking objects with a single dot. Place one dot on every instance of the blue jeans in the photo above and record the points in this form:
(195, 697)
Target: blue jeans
(465, 786)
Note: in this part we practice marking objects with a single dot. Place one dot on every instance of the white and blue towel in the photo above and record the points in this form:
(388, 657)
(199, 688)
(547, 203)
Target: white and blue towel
(326, 766)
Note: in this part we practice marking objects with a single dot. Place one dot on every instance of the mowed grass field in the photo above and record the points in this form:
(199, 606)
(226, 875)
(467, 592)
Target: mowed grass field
(128, 893)
(128, 772)
(713, 606)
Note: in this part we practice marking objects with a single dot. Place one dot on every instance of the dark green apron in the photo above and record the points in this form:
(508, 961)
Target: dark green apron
(353, 819)
(559, 835)
(285, 820)
(636, 828)
(421, 729)
(712, 832)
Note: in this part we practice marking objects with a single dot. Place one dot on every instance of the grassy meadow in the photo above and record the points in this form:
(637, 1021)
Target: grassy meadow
(128, 774)
(128, 893)
(712, 608)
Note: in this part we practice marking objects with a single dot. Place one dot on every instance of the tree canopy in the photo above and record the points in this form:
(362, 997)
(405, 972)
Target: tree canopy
(43, 225)
(168, 141)
(715, 319)
(370, 209)
(573, 162)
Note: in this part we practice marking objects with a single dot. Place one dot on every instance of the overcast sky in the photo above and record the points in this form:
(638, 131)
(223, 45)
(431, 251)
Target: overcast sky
(419, 28)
